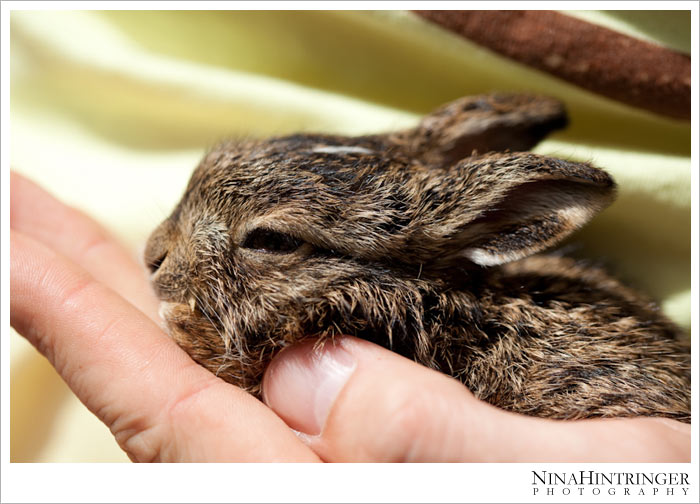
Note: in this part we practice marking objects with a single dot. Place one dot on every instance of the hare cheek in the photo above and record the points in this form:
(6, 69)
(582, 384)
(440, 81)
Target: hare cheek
(209, 236)
(177, 320)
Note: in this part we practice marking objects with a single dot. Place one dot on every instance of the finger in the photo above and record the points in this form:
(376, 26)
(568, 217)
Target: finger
(354, 400)
(158, 403)
(36, 213)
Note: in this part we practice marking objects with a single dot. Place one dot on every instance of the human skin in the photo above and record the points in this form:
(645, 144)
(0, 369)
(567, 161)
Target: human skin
(85, 304)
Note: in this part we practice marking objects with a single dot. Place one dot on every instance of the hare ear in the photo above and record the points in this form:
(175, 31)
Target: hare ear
(496, 122)
(521, 204)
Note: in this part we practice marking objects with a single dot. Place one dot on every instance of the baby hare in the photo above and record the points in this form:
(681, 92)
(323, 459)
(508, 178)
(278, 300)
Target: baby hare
(422, 241)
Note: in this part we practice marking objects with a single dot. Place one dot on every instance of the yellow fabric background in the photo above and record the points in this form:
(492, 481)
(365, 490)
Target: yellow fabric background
(111, 110)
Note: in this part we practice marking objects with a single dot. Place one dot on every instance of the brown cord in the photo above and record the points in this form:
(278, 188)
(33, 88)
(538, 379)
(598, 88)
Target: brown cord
(630, 70)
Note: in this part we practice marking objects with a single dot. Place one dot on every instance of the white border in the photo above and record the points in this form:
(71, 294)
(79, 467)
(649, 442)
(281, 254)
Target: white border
(301, 482)
(343, 5)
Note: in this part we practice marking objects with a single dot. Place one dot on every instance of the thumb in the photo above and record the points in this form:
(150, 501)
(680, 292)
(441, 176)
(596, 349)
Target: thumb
(352, 400)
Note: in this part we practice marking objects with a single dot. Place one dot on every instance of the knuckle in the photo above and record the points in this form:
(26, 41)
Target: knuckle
(72, 296)
(68, 299)
(92, 245)
(141, 440)
(186, 403)
(411, 423)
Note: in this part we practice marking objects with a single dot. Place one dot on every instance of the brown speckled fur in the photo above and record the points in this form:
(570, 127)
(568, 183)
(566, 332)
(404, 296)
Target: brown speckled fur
(421, 241)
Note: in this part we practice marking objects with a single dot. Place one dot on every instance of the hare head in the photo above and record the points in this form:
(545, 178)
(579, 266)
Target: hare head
(314, 235)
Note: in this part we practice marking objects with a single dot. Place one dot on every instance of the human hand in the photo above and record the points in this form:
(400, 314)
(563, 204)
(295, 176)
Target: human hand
(75, 293)
(74, 296)
(356, 401)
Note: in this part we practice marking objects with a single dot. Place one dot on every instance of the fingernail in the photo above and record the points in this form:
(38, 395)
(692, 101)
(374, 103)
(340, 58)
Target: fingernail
(302, 383)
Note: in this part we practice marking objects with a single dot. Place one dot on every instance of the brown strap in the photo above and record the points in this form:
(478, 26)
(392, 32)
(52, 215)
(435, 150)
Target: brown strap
(632, 71)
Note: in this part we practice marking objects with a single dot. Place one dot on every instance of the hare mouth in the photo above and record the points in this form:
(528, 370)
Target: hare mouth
(167, 310)
(164, 309)
(170, 311)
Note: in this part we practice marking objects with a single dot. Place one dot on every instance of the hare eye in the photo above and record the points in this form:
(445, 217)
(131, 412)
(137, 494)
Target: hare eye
(267, 240)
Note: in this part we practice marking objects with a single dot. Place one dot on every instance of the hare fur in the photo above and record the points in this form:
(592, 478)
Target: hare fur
(424, 241)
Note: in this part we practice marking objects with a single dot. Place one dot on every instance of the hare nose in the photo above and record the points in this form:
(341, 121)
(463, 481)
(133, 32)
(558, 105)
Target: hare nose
(155, 263)
(158, 247)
